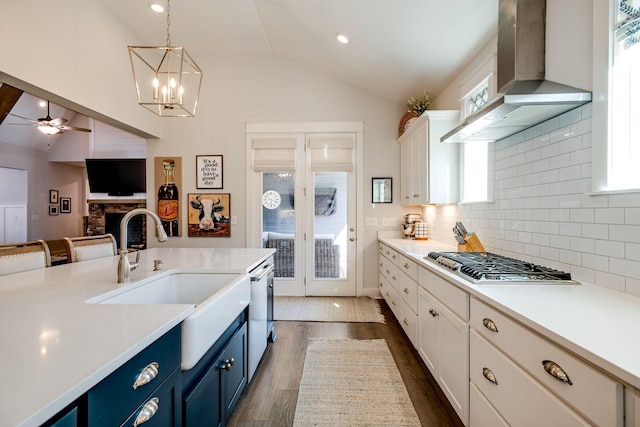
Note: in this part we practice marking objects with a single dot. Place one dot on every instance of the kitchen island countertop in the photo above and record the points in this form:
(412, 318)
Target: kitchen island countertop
(597, 324)
(55, 346)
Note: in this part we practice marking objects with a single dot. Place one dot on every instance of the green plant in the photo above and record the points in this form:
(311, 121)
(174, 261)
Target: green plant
(419, 104)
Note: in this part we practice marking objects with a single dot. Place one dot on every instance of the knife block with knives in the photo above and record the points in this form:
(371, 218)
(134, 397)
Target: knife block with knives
(467, 242)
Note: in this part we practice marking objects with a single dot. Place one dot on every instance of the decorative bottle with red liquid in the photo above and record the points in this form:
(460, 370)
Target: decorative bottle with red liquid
(168, 201)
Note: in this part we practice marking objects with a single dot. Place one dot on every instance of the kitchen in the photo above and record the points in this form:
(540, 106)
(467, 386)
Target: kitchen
(596, 256)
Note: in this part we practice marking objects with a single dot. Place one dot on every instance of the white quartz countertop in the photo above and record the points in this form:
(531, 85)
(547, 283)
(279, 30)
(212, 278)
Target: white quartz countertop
(597, 324)
(55, 347)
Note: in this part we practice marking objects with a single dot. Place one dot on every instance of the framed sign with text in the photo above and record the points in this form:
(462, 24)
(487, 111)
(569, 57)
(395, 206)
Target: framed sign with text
(209, 172)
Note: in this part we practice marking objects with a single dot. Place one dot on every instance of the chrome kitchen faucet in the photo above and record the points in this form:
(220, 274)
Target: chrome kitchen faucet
(124, 266)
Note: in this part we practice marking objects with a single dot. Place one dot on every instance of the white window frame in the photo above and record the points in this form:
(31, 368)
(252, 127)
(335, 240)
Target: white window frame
(604, 13)
(484, 75)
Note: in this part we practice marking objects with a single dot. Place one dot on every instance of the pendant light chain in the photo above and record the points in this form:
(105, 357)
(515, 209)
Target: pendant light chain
(168, 22)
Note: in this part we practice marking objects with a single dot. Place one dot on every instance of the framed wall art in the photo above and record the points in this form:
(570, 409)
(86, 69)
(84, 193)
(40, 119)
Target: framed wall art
(53, 196)
(209, 172)
(168, 177)
(53, 210)
(381, 190)
(65, 205)
(209, 214)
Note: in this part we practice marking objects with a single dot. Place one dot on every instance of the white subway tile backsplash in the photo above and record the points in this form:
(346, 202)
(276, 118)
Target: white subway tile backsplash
(570, 117)
(610, 281)
(624, 233)
(609, 216)
(543, 210)
(610, 248)
(595, 231)
(632, 216)
(582, 215)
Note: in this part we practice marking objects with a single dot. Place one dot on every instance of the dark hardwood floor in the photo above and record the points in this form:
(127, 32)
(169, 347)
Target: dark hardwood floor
(270, 399)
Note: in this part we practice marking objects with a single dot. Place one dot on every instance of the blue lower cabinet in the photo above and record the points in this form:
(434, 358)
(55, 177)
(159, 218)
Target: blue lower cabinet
(214, 385)
(123, 392)
(66, 418)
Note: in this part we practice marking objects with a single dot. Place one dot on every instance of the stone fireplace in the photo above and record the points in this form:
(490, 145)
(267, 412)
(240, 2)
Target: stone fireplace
(105, 216)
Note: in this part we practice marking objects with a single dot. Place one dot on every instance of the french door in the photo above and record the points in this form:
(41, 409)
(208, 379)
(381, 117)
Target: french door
(306, 188)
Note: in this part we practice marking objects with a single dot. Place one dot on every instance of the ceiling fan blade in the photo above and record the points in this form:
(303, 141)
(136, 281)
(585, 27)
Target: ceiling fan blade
(73, 128)
(21, 124)
(58, 121)
(23, 118)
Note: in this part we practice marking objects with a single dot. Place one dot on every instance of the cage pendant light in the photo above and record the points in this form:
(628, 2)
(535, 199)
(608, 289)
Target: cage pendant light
(167, 79)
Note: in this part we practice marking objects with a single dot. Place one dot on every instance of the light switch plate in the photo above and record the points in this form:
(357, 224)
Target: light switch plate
(371, 221)
(389, 221)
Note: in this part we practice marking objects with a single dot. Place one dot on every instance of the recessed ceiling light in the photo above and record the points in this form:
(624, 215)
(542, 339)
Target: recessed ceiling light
(342, 38)
(42, 104)
(156, 6)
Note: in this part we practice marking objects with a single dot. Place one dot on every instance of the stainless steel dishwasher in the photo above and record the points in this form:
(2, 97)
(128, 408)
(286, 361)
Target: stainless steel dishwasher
(259, 313)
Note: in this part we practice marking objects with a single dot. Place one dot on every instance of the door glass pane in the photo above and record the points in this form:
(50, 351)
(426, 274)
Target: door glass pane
(330, 225)
(278, 220)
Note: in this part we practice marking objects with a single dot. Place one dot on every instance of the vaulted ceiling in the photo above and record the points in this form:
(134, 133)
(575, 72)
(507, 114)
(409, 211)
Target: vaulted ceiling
(397, 47)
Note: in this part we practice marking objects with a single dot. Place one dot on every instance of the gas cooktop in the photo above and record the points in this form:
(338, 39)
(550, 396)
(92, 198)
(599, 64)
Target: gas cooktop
(489, 268)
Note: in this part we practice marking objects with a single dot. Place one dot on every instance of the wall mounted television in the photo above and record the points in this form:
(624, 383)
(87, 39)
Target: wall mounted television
(117, 177)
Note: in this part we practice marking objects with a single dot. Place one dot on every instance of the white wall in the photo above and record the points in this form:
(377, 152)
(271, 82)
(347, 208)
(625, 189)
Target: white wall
(261, 88)
(42, 177)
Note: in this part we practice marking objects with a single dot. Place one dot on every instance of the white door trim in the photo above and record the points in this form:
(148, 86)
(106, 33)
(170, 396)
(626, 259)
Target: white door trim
(253, 237)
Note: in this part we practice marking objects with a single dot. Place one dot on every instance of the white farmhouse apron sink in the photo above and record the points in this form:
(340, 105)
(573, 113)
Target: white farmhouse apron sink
(218, 299)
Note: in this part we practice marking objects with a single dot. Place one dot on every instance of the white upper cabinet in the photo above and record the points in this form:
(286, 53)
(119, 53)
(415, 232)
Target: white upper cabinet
(429, 169)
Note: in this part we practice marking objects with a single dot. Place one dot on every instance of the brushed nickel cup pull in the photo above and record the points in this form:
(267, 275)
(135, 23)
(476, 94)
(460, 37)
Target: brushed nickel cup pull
(489, 324)
(147, 375)
(488, 374)
(556, 371)
(147, 412)
(433, 313)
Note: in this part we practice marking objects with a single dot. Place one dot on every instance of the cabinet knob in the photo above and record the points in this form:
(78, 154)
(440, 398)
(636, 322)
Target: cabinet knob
(227, 364)
(380, 284)
(387, 294)
(406, 291)
(489, 324)
(488, 374)
(393, 256)
(433, 313)
(553, 369)
(405, 321)
(406, 265)
(416, 195)
(147, 412)
(393, 277)
(147, 375)
(393, 302)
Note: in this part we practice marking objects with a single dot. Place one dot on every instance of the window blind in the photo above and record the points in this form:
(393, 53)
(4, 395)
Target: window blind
(628, 23)
(332, 153)
(274, 154)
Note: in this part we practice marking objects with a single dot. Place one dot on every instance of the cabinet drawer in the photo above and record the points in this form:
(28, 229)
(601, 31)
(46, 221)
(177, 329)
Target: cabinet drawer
(407, 318)
(381, 248)
(113, 399)
(392, 273)
(393, 256)
(169, 405)
(531, 352)
(408, 290)
(448, 294)
(518, 397)
(409, 267)
(482, 411)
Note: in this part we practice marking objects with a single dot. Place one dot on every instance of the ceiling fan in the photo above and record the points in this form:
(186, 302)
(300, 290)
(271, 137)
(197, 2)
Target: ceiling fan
(47, 125)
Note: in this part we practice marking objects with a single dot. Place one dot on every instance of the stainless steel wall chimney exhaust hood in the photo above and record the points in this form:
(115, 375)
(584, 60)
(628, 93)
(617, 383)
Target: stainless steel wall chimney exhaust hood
(524, 98)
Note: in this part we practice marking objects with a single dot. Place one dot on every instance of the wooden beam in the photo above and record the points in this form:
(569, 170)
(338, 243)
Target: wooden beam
(9, 95)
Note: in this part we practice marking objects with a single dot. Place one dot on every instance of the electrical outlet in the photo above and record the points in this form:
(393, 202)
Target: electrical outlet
(389, 221)
(371, 221)
(35, 217)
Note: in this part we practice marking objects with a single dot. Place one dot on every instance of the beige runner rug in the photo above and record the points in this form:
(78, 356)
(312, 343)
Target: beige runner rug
(352, 383)
(327, 309)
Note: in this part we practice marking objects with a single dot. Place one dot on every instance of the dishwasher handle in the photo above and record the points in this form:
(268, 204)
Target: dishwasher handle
(260, 272)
